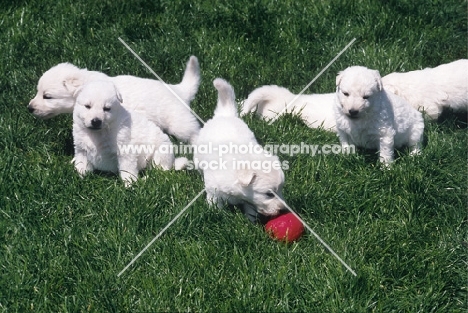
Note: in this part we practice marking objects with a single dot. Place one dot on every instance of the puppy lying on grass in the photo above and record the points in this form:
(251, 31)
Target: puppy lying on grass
(102, 127)
(316, 110)
(433, 90)
(370, 117)
(57, 86)
(231, 176)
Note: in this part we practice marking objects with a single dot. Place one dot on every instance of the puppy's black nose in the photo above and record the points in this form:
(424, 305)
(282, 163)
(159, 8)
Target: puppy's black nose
(30, 109)
(96, 123)
(353, 113)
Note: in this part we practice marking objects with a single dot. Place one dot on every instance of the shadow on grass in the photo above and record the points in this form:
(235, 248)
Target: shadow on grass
(459, 120)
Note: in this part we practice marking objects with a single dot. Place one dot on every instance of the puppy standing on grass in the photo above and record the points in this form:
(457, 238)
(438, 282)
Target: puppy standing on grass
(101, 126)
(232, 177)
(370, 117)
(57, 86)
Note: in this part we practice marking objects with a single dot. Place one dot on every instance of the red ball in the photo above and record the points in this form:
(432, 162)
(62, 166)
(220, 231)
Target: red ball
(286, 227)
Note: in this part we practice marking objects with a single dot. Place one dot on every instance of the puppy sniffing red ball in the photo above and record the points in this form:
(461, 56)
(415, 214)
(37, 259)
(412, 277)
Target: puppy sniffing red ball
(286, 227)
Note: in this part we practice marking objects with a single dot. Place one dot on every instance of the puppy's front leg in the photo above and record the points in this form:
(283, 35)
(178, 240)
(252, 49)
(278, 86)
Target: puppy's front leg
(415, 143)
(387, 137)
(81, 163)
(250, 212)
(345, 142)
(213, 199)
(128, 170)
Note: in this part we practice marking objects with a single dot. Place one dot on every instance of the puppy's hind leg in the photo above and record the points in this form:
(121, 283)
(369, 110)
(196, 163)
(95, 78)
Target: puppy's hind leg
(164, 156)
(188, 129)
(180, 163)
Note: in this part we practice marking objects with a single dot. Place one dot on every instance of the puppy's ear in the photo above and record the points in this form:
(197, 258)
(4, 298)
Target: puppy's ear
(338, 78)
(378, 80)
(72, 84)
(118, 95)
(246, 177)
(77, 91)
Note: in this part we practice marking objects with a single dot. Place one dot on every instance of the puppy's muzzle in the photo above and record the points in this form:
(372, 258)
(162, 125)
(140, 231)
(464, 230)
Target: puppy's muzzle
(96, 123)
(30, 108)
(353, 113)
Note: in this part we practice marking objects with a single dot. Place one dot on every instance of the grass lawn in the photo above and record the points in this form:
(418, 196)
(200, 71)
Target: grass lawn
(63, 239)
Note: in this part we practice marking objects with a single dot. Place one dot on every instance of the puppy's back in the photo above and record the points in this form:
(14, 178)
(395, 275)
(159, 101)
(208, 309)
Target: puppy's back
(267, 101)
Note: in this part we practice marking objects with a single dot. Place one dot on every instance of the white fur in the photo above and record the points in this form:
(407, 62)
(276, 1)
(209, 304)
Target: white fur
(316, 110)
(146, 96)
(430, 90)
(101, 124)
(433, 89)
(368, 116)
(248, 188)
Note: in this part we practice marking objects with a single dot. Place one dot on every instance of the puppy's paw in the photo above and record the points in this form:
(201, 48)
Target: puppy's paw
(415, 152)
(385, 164)
(180, 163)
(128, 178)
(214, 200)
(82, 168)
(163, 160)
(346, 149)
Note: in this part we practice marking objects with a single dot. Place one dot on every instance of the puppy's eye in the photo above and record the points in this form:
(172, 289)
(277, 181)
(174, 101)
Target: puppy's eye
(106, 109)
(365, 97)
(270, 195)
(46, 97)
(346, 94)
(87, 106)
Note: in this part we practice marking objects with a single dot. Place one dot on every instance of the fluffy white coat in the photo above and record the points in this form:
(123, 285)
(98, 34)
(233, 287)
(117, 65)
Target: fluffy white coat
(433, 89)
(152, 98)
(430, 90)
(101, 126)
(370, 117)
(316, 110)
(226, 181)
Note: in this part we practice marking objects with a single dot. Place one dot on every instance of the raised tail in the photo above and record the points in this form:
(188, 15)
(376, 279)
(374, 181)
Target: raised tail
(191, 80)
(226, 99)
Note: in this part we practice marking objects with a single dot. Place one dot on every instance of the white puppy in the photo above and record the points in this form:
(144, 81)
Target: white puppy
(370, 117)
(316, 110)
(236, 169)
(102, 128)
(433, 89)
(149, 97)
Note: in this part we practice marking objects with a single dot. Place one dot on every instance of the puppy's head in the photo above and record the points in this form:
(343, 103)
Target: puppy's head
(55, 91)
(257, 186)
(356, 87)
(97, 105)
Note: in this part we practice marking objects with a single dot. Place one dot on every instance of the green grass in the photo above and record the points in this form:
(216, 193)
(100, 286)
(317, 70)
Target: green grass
(63, 240)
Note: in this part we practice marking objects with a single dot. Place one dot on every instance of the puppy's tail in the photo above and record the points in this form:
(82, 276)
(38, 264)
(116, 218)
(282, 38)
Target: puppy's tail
(267, 101)
(191, 80)
(226, 99)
